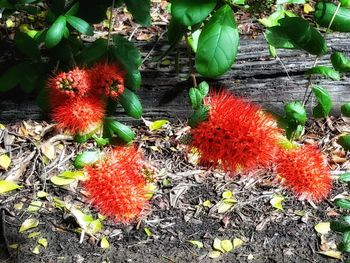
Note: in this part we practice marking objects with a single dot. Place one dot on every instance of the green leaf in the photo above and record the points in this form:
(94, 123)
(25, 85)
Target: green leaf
(295, 112)
(203, 87)
(217, 44)
(192, 40)
(10, 79)
(272, 20)
(133, 80)
(131, 104)
(195, 97)
(199, 116)
(340, 62)
(67, 177)
(324, 71)
(86, 158)
(7, 186)
(345, 3)
(73, 10)
(196, 243)
(344, 177)
(140, 10)
(124, 132)
(294, 131)
(126, 52)
(344, 141)
(324, 14)
(55, 32)
(34, 206)
(29, 223)
(280, 2)
(43, 242)
(277, 38)
(340, 226)
(345, 109)
(27, 45)
(175, 31)
(80, 25)
(324, 105)
(156, 125)
(104, 243)
(342, 203)
(191, 12)
(303, 35)
(94, 52)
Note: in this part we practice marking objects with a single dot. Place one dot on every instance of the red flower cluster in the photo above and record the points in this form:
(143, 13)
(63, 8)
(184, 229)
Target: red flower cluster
(78, 97)
(237, 134)
(303, 171)
(116, 185)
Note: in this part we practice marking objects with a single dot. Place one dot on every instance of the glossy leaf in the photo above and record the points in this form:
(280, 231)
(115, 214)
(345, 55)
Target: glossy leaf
(140, 10)
(324, 13)
(80, 25)
(27, 45)
(324, 105)
(303, 35)
(86, 158)
(55, 33)
(345, 109)
(195, 97)
(217, 44)
(276, 37)
(7, 186)
(344, 141)
(124, 132)
(192, 12)
(73, 9)
(295, 112)
(131, 104)
(203, 87)
(340, 62)
(94, 52)
(175, 31)
(156, 125)
(324, 71)
(342, 203)
(345, 3)
(344, 177)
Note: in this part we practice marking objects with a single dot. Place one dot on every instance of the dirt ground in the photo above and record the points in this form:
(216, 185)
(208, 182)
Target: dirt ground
(178, 213)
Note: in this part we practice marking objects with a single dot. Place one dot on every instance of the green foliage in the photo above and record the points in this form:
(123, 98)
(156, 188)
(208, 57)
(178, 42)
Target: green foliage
(345, 109)
(86, 158)
(122, 131)
(324, 105)
(140, 10)
(324, 71)
(131, 104)
(344, 141)
(340, 62)
(324, 13)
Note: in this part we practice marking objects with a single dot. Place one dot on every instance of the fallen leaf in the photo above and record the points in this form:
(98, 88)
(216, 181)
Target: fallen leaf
(42, 194)
(207, 203)
(250, 257)
(198, 244)
(28, 224)
(217, 245)
(150, 189)
(42, 241)
(18, 206)
(237, 242)
(48, 150)
(323, 227)
(148, 232)
(7, 186)
(5, 161)
(227, 194)
(214, 254)
(276, 202)
(36, 250)
(308, 8)
(34, 234)
(224, 207)
(13, 246)
(331, 254)
(226, 245)
(156, 125)
(34, 206)
(67, 177)
(104, 243)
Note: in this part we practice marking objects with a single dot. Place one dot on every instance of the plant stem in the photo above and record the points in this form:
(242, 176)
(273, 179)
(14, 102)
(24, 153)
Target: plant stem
(192, 73)
(110, 24)
(307, 93)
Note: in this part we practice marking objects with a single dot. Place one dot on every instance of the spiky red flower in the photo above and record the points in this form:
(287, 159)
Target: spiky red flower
(116, 185)
(237, 134)
(303, 171)
(79, 114)
(75, 82)
(107, 79)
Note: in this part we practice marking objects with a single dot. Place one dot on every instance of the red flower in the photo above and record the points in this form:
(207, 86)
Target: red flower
(70, 84)
(116, 185)
(304, 172)
(107, 79)
(237, 134)
(79, 115)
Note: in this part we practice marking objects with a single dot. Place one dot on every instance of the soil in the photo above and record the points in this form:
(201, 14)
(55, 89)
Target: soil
(177, 214)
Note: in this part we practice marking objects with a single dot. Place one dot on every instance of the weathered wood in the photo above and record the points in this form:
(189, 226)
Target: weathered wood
(254, 76)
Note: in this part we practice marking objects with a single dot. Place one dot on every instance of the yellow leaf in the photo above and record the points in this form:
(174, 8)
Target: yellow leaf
(226, 245)
(7, 186)
(104, 243)
(196, 243)
(43, 242)
(18, 206)
(42, 194)
(34, 234)
(224, 207)
(36, 250)
(237, 242)
(227, 194)
(276, 202)
(67, 177)
(148, 231)
(9, 23)
(214, 254)
(5, 161)
(323, 227)
(157, 124)
(34, 206)
(150, 189)
(13, 246)
(2, 126)
(28, 224)
(207, 203)
(331, 254)
(217, 245)
(308, 8)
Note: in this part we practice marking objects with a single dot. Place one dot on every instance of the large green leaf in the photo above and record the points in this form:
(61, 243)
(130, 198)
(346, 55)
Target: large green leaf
(340, 62)
(324, 105)
(340, 226)
(344, 141)
(277, 37)
(140, 10)
(131, 104)
(80, 25)
(324, 71)
(27, 45)
(303, 35)
(217, 44)
(12, 77)
(94, 52)
(324, 14)
(175, 31)
(345, 109)
(295, 113)
(73, 9)
(55, 32)
(124, 132)
(191, 12)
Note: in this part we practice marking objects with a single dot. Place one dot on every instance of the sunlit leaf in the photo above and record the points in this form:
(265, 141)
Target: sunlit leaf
(226, 245)
(217, 245)
(148, 232)
(227, 194)
(224, 207)
(323, 227)
(5, 161)
(237, 242)
(196, 243)
(43, 242)
(29, 223)
(34, 234)
(104, 243)
(214, 254)
(156, 125)
(42, 194)
(331, 254)
(36, 250)
(34, 206)
(7, 186)
(207, 203)
(67, 177)
(276, 202)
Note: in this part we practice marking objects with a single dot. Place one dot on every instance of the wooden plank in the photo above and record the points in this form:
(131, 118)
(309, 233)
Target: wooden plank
(254, 76)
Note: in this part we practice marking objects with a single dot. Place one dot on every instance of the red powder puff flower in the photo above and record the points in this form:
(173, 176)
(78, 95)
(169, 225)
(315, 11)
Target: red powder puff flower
(237, 134)
(70, 84)
(79, 115)
(116, 185)
(303, 171)
(107, 79)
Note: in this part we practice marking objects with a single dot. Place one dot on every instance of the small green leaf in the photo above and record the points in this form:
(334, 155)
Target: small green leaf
(344, 177)
(7, 186)
(27, 45)
(140, 10)
(82, 219)
(339, 226)
(55, 32)
(42, 194)
(324, 71)
(192, 40)
(199, 116)
(80, 25)
(207, 203)
(123, 131)
(340, 62)
(323, 227)
(227, 194)
(192, 12)
(196, 98)
(34, 206)
(226, 245)
(86, 158)
(34, 234)
(324, 105)
(67, 177)
(342, 203)
(276, 202)
(344, 141)
(203, 87)
(295, 112)
(43, 242)
(148, 232)
(95, 226)
(196, 243)
(345, 109)
(131, 104)
(104, 243)
(156, 125)
(29, 223)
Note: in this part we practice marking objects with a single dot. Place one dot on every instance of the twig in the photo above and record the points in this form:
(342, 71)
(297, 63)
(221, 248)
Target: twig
(110, 24)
